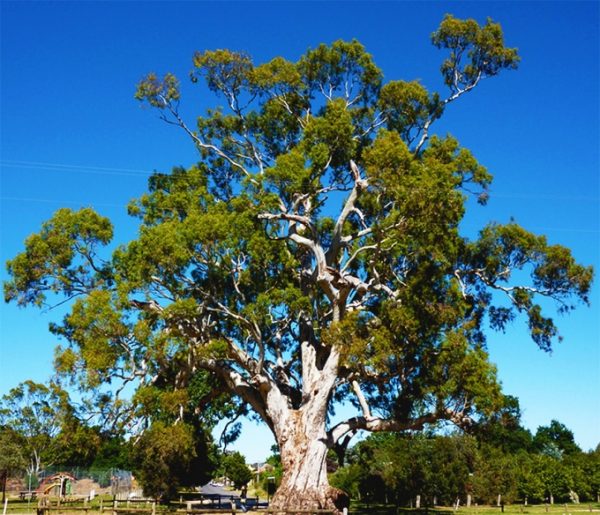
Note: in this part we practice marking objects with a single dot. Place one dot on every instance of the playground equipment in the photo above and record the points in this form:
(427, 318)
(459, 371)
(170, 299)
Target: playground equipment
(59, 485)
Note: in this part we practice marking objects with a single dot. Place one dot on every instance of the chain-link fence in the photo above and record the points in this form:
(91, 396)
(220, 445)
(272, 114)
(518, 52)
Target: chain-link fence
(78, 481)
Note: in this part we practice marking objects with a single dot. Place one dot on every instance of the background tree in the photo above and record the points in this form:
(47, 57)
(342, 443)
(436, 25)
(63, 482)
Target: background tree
(399, 467)
(591, 469)
(579, 477)
(76, 444)
(273, 469)
(35, 412)
(176, 449)
(348, 479)
(503, 428)
(168, 457)
(555, 440)
(236, 469)
(495, 474)
(113, 452)
(312, 255)
(12, 456)
(376, 469)
(53, 430)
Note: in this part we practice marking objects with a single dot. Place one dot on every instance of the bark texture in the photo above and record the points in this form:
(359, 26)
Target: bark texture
(304, 485)
(303, 439)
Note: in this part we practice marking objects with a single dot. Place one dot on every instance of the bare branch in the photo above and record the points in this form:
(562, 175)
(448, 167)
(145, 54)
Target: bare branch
(461, 283)
(349, 206)
(303, 220)
(457, 93)
(377, 424)
(379, 120)
(149, 306)
(361, 399)
(202, 144)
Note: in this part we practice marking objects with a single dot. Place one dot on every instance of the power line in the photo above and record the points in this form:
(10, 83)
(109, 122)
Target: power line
(103, 204)
(57, 201)
(103, 170)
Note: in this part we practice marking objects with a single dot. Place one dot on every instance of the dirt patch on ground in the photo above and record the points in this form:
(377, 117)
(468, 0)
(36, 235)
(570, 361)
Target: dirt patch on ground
(85, 486)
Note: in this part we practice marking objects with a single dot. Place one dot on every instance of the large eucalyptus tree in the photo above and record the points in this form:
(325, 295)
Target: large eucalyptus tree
(313, 255)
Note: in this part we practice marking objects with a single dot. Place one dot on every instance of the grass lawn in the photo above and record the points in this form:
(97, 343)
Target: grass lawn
(23, 507)
(514, 509)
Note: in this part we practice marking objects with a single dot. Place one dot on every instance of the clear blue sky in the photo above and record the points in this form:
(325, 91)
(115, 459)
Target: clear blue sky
(72, 135)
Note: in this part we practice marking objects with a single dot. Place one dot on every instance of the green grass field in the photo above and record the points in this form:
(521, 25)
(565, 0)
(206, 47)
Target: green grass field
(514, 509)
(94, 508)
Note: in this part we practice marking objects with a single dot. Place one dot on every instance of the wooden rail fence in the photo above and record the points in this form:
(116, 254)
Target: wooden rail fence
(45, 507)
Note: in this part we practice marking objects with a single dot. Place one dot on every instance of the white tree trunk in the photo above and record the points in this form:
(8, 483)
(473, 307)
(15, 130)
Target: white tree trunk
(303, 442)
(304, 485)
